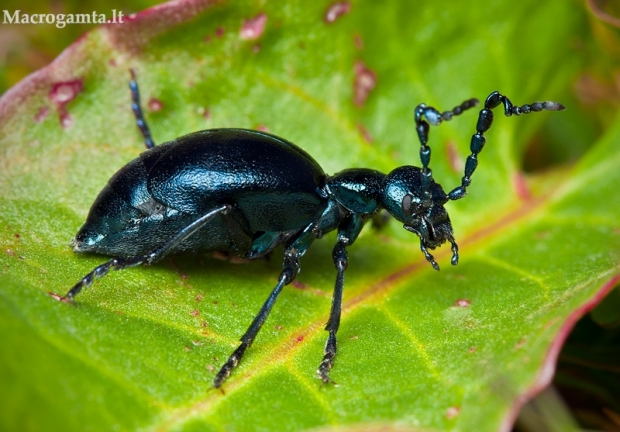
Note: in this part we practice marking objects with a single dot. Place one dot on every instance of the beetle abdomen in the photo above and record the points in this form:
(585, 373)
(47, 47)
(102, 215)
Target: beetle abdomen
(272, 182)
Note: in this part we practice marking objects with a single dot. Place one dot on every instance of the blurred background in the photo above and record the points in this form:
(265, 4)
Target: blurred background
(27, 48)
(586, 390)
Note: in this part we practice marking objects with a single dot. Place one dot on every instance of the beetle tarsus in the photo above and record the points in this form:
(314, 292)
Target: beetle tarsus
(455, 251)
(230, 364)
(289, 271)
(88, 280)
(341, 262)
(428, 255)
(328, 359)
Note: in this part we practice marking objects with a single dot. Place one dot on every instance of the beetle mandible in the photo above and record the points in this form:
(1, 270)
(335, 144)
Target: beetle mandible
(245, 192)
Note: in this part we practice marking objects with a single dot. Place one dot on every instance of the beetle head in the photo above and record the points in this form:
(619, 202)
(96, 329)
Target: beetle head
(426, 217)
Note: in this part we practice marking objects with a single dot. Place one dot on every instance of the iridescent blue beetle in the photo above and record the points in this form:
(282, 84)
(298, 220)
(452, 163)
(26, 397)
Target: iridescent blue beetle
(245, 192)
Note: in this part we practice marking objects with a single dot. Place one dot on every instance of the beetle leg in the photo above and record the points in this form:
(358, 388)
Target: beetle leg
(485, 119)
(341, 261)
(430, 257)
(149, 258)
(137, 111)
(455, 251)
(289, 272)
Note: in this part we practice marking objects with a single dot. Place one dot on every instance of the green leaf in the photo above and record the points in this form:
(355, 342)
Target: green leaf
(459, 350)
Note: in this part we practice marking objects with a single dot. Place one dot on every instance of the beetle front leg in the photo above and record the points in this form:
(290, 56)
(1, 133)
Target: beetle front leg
(430, 257)
(289, 272)
(341, 261)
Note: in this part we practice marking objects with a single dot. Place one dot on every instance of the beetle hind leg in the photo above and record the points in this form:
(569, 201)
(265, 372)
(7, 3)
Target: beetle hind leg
(149, 258)
(137, 111)
(289, 272)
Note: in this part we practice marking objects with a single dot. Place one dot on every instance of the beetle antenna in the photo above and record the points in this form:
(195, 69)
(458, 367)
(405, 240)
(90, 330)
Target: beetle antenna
(433, 117)
(137, 111)
(485, 119)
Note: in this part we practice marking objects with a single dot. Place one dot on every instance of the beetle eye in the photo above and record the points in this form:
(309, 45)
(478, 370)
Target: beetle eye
(406, 205)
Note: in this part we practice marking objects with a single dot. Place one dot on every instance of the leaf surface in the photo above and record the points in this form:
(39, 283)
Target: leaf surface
(455, 350)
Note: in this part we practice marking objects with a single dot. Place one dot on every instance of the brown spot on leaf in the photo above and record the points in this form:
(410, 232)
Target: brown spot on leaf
(195, 312)
(336, 10)
(452, 412)
(155, 104)
(58, 297)
(298, 285)
(253, 28)
(41, 114)
(456, 162)
(463, 303)
(358, 41)
(61, 94)
(365, 81)
(64, 92)
(520, 186)
(365, 134)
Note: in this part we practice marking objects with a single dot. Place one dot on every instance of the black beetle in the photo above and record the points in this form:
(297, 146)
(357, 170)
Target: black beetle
(245, 192)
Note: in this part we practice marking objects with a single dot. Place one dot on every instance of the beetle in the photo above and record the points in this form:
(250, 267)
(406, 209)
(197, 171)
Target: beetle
(245, 192)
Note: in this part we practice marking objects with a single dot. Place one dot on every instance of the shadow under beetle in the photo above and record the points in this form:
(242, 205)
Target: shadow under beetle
(246, 192)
